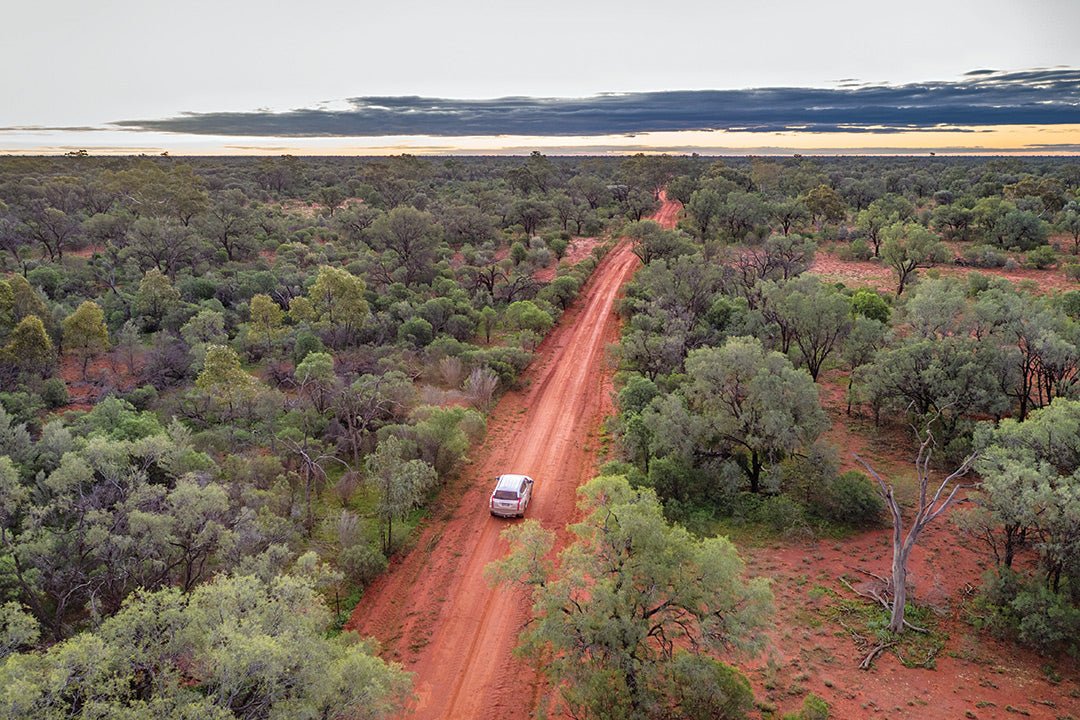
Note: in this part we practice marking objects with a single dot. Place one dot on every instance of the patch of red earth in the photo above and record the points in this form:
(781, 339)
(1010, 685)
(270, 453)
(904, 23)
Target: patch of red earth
(310, 208)
(853, 273)
(84, 252)
(103, 374)
(809, 651)
(876, 275)
(578, 249)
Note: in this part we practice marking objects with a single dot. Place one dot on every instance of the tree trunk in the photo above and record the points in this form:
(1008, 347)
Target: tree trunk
(927, 509)
(899, 580)
(850, 391)
(755, 473)
(389, 534)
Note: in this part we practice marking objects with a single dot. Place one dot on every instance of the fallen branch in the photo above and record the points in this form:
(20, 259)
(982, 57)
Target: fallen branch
(869, 659)
(880, 579)
(855, 635)
(884, 603)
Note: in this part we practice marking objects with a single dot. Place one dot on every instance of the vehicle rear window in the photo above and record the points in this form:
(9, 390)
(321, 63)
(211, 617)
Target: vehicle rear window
(506, 495)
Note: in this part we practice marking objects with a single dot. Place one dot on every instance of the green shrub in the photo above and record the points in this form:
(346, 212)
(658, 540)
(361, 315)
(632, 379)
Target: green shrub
(1048, 621)
(23, 407)
(870, 304)
(306, 343)
(1072, 271)
(558, 246)
(977, 283)
(142, 397)
(851, 500)
(54, 393)
(518, 253)
(707, 689)
(47, 278)
(780, 513)
(416, 331)
(636, 393)
(1010, 605)
(813, 481)
(984, 256)
(813, 708)
(506, 361)
(361, 563)
(1042, 257)
(859, 249)
(675, 480)
(635, 477)
(194, 289)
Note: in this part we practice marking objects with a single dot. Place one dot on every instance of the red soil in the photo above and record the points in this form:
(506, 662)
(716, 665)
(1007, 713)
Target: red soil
(860, 273)
(102, 374)
(85, 252)
(310, 208)
(579, 249)
(433, 610)
(810, 652)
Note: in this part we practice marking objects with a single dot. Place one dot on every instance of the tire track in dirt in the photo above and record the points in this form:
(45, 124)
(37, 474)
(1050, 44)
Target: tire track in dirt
(433, 610)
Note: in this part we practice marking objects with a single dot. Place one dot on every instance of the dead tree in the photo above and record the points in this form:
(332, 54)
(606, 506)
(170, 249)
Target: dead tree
(929, 508)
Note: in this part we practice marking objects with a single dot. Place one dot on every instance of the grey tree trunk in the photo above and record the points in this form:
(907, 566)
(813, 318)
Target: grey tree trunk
(928, 508)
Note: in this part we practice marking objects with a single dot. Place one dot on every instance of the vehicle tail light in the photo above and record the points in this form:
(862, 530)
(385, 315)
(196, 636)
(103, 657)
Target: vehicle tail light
(519, 504)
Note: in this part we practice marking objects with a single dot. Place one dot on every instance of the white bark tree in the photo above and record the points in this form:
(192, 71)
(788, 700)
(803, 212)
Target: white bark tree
(929, 507)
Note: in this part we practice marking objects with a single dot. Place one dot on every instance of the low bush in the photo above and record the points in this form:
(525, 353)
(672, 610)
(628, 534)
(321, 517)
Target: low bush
(846, 499)
(707, 688)
(1027, 611)
(984, 256)
(813, 708)
(780, 513)
(361, 563)
(54, 393)
(1042, 257)
(851, 501)
(859, 249)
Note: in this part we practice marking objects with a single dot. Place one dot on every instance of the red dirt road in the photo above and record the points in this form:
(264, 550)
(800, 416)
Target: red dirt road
(433, 610)
(668, 214)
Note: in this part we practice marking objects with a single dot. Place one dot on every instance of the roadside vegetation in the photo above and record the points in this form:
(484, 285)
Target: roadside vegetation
(238, 384)
(730, 333)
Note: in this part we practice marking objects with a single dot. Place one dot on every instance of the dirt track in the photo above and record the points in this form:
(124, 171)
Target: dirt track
(433, 610)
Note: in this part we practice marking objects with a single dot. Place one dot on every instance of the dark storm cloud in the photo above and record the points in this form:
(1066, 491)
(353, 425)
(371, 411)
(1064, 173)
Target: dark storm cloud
(43, 129)
(983, 97)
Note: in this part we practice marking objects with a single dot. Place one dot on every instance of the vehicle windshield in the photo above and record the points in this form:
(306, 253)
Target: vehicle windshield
(506, 495)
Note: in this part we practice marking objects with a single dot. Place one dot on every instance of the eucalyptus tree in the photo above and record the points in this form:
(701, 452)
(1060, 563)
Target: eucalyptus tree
(629, 626)
(402, 484)
(813, 317)
(236, 648)
(410, 241)
(85, 333)
(906, 248)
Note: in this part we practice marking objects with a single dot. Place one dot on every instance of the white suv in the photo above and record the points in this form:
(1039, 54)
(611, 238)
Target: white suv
(511, 495)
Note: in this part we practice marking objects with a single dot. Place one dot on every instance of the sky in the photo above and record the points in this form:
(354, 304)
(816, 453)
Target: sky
(362, 77)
